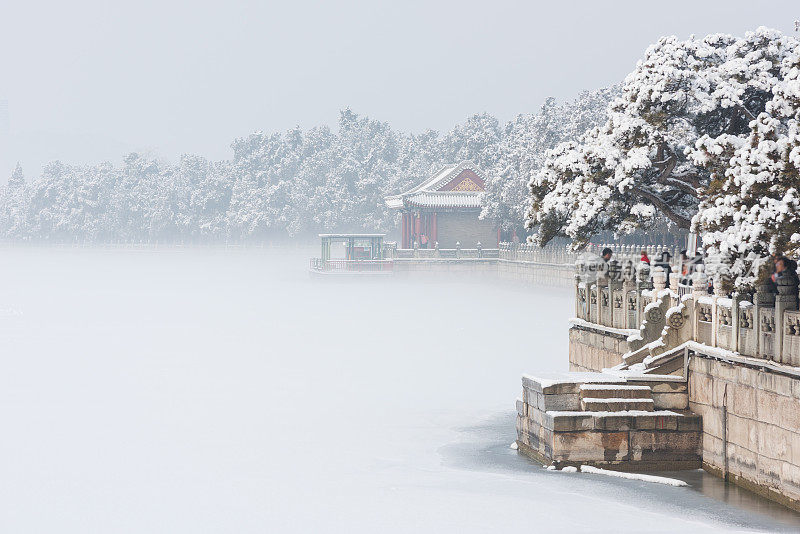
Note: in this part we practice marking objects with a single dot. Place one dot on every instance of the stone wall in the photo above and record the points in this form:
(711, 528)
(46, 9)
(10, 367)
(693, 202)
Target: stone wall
(466, 228)
(594, 349)
(750, 413)
(751, 425)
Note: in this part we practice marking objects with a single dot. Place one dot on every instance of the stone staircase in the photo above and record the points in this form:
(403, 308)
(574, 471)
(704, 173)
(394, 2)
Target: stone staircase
(617, 421)
(616, 398)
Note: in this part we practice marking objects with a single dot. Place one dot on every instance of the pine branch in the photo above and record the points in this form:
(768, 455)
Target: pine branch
(665, 207)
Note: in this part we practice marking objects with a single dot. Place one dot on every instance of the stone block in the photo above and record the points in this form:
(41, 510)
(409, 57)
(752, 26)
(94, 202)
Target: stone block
(783, 385)
(671, 401)
(562, 402)
(616, 423)
(536, 415)
(721, 392)
(531, 383)
(590, 446)
(699, 365)
(724, 371)
(744, 400)
(665, 387)
(747, 377)
(572, 422)
(712, 421)
(522, 408)
(609, 344)
(742, 462)
(690, 422)
(768, 407)
(659, 441)
(701, 388)
(712, 445)
(743, 432)
(790, 474)
(789, 412)
(766, 381)
(776, 442)
(666, 422)
(794, 445)
(768, 471)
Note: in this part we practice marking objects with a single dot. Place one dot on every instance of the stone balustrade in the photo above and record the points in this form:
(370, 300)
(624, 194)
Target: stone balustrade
(629, 295)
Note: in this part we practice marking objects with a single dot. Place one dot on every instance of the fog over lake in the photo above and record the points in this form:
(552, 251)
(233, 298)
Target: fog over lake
(211, 390)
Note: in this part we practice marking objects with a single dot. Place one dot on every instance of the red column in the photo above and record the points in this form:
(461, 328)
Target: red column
(404, 235)
(435, 230)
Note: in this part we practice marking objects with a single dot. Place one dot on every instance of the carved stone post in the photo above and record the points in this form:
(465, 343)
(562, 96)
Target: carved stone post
(579, 308)
(643, 276)
(659, 279)
(786, 299)
(735, 321)
(764, 298)
(628, 288)
(699, 289)
(602, 290)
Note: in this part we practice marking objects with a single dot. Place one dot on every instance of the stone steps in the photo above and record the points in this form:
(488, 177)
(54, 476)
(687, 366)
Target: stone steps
(605, 420)
(617, 405)
(614, 391)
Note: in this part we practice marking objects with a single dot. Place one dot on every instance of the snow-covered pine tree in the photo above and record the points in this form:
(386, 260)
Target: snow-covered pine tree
(13, 206)
(752, 207)
(638, 168)
(524, 144)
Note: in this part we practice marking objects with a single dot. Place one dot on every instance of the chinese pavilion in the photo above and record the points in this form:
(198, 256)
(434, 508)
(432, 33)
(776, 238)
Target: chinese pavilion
(445, 209)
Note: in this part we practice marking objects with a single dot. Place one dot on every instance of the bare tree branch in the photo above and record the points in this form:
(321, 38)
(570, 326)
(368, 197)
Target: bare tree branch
(666, 209)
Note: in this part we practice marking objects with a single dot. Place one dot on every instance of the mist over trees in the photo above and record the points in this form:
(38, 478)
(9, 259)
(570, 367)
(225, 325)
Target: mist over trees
(289, 184)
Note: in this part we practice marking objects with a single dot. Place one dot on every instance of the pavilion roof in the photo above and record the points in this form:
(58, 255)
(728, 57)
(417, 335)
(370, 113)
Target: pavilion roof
(453, 186)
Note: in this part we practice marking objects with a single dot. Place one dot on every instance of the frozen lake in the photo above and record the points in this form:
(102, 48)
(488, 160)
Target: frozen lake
(213, 391)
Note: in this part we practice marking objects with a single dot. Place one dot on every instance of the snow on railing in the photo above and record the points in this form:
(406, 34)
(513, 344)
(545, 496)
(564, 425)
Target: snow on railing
(768, 328)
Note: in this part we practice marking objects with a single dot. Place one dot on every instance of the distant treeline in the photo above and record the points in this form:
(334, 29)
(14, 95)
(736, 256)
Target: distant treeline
(290, 184)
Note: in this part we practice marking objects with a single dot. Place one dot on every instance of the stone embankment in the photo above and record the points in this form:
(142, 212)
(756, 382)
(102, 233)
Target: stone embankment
(727, 370)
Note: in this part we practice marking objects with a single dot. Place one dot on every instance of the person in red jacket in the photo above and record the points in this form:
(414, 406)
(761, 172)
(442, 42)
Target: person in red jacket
(645, 259)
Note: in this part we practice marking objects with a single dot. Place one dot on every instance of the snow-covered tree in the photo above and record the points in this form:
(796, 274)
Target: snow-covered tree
(524, 145)
(639, 168)
(752, 207)
(13, 206)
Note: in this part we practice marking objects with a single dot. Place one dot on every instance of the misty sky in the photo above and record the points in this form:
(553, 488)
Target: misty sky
(91, 80)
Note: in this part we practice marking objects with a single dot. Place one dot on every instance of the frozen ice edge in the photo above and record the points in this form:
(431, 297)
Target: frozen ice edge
(634, 476)
(620, 474)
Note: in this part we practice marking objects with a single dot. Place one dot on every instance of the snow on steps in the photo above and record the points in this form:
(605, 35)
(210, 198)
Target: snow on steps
(605, 391)
(615, 419)
(616, 405)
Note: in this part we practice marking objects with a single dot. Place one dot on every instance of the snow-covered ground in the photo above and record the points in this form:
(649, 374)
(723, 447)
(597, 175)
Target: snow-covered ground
(212, 391)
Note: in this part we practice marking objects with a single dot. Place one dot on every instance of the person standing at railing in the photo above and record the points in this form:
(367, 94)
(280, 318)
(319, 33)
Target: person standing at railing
(645, 258)
(423, 241)
(685, 269)
(785, 269)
